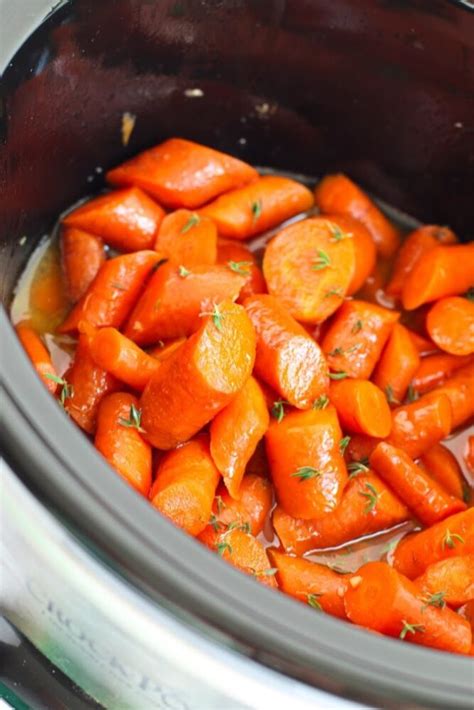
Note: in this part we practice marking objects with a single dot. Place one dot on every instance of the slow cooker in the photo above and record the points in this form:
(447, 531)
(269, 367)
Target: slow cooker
(128, 607)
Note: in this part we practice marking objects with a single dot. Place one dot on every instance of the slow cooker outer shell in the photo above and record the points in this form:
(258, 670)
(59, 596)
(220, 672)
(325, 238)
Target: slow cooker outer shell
(376, 90)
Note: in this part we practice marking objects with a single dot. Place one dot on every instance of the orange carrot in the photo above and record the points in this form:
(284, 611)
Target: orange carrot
(380, 598)
(111, 296)
(180, 173)
(125, 219)
(163, 350)
(362, 407)
(288, 359)
(355, 339)
(247, 554)
(200, 378)
(82, 256)
(443, 467)
(449, 581)
(450, 323)
(174, 300)
(185, 485)
(39, 356)
(309, 266)
(187, 239)
(365, 256)
(459, 389)
(435, 369)
(308, 470)
(122, 358)
(118, 439)
(421, 494)
(337, 194)
(235, 433)
(452, 536)
(469, 455)
(312, 583)
(397, 365)
(238, 258)
(422, 344)
(418, 426)
(442, 271)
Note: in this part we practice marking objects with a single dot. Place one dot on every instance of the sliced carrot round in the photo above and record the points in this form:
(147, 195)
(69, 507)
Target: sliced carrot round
(450, 323)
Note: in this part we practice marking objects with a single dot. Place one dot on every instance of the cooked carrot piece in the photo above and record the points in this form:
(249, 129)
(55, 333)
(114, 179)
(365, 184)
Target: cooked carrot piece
(247, 554)
(442, 465)
(122, 358)
(459, 389)
(434, 370)
(367, 506)
(422, 344)
(421, 494)
(180, 173)
(238, 258)
(469, 455)
(288, 359)
(337, 194)
(163, 350)
(38, 354)
(416, 244)
(309, 266)
(418, 426)
(449, 581)
(82, 256)
(361, 406)
(125, 219)
(187, 239)
(172, 304)
(308, 470)
(380, 598)
(235, 433)
(185, 485)
(118, 439)
(365, 256)
(200, 378)
(450, 323)
(356, 337)
(397, 365)
(452, 536)
(111, 296)
(442, 271)
(312, 583)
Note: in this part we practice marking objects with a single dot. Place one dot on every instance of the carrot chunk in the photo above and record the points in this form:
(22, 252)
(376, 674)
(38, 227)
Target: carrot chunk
(122, 358)
(248, 555)
(397, 365)
(362, 407)
(239, 259)
(443, 467)
(82, 256)
(434, 370)
(39, 355)
(459, 389)
(418, 426)
(187, 239)
(449, 581)
(450, 323)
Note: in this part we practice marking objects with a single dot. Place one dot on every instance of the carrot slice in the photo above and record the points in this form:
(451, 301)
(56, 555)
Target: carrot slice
(362, 407)
(122, 358)
(418, 426)
(452, 536)
(82, 256)
(443, 467)
(185, 485)
(337, 194)
(434, 370)
(312, 583)
(118, 439)
(111, 296)
(235, 433)
(125, 219)
(253, 209)
(39, 355)
(188, 239)
(288, 359)
(180, 173)
(450, 323)
(239, 259)
(459, 389)
(365, 256)
(380, 598)
(449, 581)
(308, 470)
(356, 337)
(248, 555)
(397, 365)
(309, 266)
(172, 304)
(200, 378)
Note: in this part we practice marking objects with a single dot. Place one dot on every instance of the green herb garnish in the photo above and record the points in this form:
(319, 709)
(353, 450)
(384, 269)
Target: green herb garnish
(344, 443)
(278, 410)
(304, 473)
(322, 262)
(240, 267)
(134, 419)
(321, 402)
(372, 496)
(312, 600)
(192, 221)
(411, 629)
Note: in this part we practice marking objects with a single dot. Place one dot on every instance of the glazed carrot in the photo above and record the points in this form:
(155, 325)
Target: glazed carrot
(356, 337)
(288, 359)
(442, 271)
(452, 536)
(200, 378)
(450, 323)
(309, 266)
(443, 467)
(308, 470)
(418, 426)
(459, 389)
(87, 384)
(239, 259)
(180, 173)
(312, 583)
(235, 433)
(361, 406)
(253, 209)
(449, 581)
(248, 555)
(125, 219)
(163, 350)
(111, 296)
(122, 358)
(82, 256)
(365, 256)
(172, 304)
(435, 369)
(397, 365)
(185, 485)
(416, 244)
(421, 494)
(422, 344)
(38, 354)
(469, 455)
(118, 439)
(337, 194)
(367, 506)
(380, 598)
(188, 239)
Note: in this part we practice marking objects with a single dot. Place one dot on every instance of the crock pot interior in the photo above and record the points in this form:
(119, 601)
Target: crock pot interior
(383, 90)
